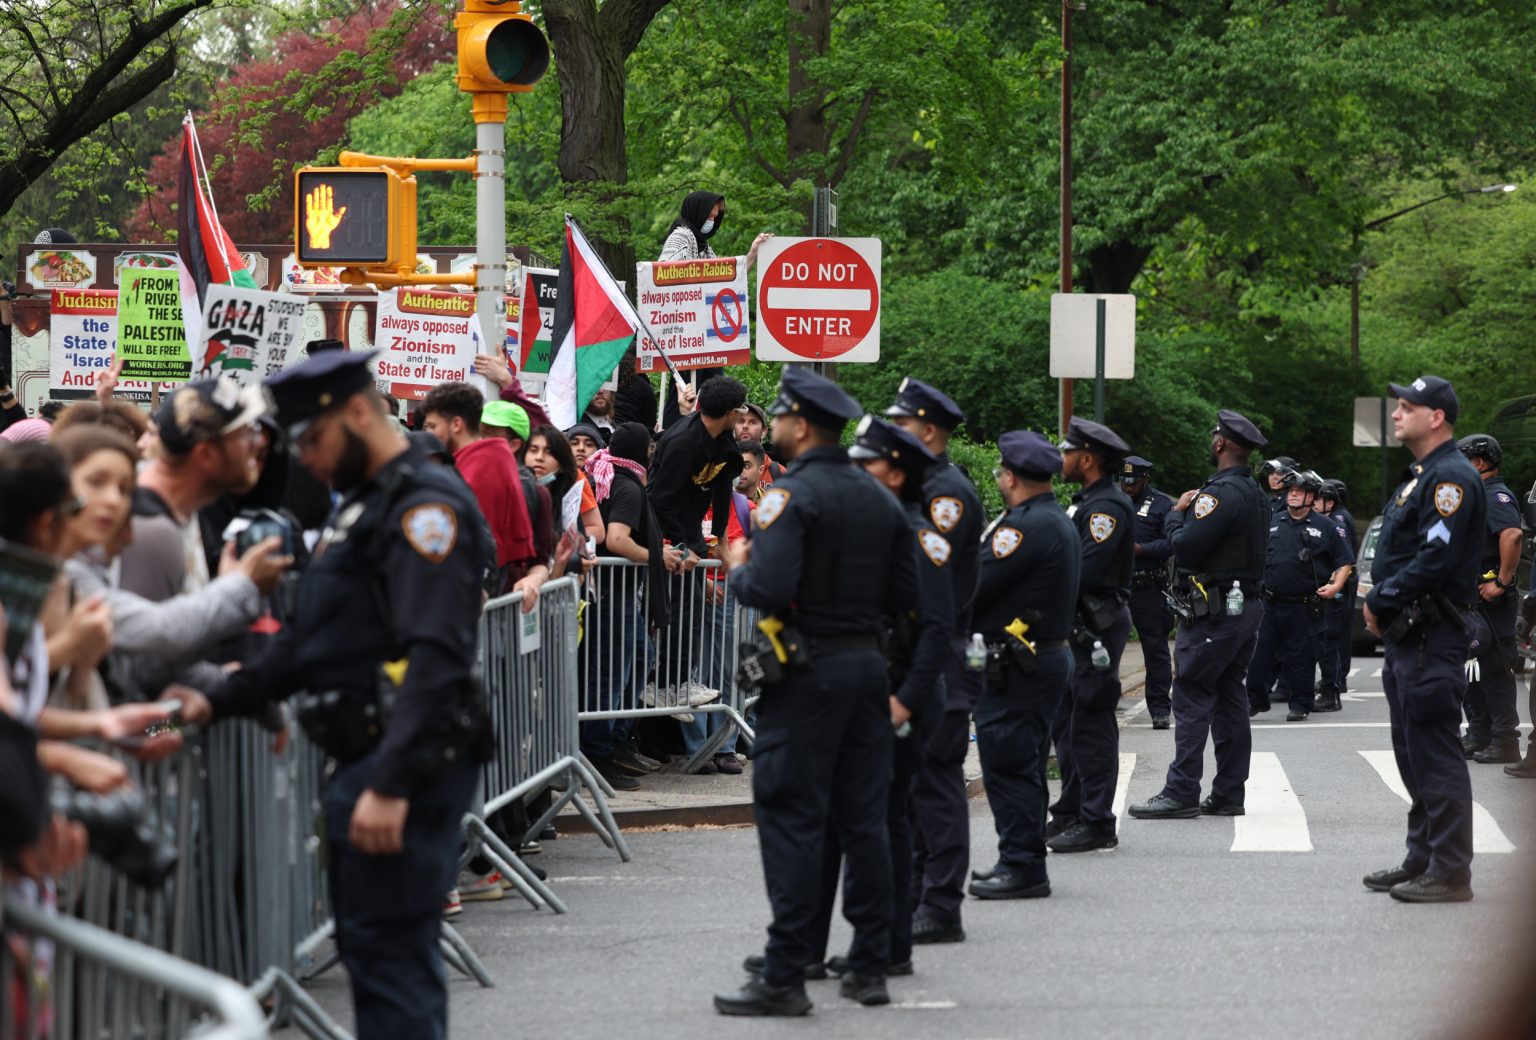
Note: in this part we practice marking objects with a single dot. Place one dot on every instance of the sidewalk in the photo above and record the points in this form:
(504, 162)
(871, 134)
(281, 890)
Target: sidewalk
(671, 798)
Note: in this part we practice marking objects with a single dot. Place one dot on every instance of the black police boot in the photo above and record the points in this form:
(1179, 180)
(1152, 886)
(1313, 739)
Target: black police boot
(1327, 700)
(1472, 745)
(1497, 754)
(868, 990)
(814, 972)
(1256, 709)
(1084, 837)
(929, 928)
(1058, 825)
(1426, 889)
(1006, 884)
(1161, 721)
(1211, 807)
(758, 999)
(982, 875)
(1526, 770)
(1383, 880)
(1295, 716)
(1164, 808)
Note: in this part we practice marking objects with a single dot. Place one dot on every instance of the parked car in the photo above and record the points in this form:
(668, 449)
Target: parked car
(1362, 641)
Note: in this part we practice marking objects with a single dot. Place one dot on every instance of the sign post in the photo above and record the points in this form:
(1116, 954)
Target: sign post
(1093, 335)
(818, 300)
(1373, 429)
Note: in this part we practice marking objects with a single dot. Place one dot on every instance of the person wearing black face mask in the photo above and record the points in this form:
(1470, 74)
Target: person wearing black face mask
(688, 239)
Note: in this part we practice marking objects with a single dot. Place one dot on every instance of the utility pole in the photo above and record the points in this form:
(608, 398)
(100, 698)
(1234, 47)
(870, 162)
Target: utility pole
(1064, 403)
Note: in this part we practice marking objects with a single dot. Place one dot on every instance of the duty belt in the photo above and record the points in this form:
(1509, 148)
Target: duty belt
(1042, 646)
(844, 644)
(1310, 597)
(1149, 580)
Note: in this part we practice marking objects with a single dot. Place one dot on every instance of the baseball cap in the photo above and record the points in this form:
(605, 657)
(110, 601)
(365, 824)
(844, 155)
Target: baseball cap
(206, 410)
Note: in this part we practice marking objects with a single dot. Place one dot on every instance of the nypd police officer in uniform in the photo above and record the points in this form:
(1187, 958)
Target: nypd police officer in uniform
(1149, 582)
(832, 557)
(1272, 473)
(1338, 615)
(382, 644)
(1493, 720)
(941, 831)
(1424, 581)
(1307, 561)
(1086, 733)
(1218, 535)
(1030, 560)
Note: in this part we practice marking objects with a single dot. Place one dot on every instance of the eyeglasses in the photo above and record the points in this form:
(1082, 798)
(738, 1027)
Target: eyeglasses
(997, 472)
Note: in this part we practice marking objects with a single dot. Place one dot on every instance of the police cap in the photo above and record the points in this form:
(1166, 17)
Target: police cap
(915, 399)
(819, 401)
(878, 439)
(1029, 454)
(1236, 427)
(1087, 435)
(1431, 392)
(1133, 468)
(313, 386)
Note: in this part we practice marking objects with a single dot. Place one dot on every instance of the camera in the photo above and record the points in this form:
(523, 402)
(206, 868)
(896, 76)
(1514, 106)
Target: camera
(259, 525)
(119, 833)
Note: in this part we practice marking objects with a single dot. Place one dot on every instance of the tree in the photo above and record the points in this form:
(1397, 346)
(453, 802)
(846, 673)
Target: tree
(278, 113)
(68, 68)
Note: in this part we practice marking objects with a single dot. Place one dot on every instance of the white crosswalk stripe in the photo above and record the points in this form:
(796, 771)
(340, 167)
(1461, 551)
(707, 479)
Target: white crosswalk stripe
(1275, 821)
(1486, 835)
(1123, 787)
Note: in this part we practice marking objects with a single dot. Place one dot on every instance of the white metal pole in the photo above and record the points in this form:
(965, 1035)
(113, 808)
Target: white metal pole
(491, 241)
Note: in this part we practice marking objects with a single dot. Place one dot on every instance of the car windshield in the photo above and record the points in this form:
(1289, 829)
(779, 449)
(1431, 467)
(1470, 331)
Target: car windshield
(1368, 546)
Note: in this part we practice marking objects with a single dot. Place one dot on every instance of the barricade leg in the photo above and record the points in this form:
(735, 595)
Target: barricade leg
(458, 953)
(524, 880)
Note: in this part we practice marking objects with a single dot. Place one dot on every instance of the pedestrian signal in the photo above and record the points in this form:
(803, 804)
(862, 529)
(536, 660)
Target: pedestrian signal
(354, 217)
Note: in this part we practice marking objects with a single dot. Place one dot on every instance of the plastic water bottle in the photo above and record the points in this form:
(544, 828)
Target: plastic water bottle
(1100, 656)
(1234, 601)
(976, 653)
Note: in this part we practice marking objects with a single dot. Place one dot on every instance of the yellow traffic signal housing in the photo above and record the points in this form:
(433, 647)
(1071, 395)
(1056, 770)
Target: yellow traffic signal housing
(500, 49)
(355, 217)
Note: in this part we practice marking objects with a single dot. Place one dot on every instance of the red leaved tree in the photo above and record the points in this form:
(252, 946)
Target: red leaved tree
(275, 115)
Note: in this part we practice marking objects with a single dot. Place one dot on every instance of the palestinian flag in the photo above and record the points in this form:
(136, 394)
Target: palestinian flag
(594, 326)
(208, 255)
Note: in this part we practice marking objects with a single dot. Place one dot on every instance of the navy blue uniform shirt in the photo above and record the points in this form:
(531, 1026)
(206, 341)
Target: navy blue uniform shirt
(921, 689)
(954, 509)
(1432, 533)
(1103, 518)
(1303, 554)
(1503, 514)
(1151, 510)
(1031, 557)
(831, 542)
(1222, 533)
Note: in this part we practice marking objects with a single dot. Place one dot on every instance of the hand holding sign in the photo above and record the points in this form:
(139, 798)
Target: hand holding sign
(321, 216)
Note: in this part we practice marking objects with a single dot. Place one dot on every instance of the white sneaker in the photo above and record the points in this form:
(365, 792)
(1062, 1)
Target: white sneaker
(699, 694)
(685, 717)
(476, 889)
(659, 697)
(452, 906)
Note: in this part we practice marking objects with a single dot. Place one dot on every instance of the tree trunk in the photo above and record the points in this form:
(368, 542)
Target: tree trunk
(1112, 267)
(591, 46)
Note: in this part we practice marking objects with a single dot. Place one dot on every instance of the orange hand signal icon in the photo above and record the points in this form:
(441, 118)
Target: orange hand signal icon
(321, 216)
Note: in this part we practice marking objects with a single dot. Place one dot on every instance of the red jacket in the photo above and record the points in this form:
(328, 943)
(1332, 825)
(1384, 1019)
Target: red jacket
(490, 469)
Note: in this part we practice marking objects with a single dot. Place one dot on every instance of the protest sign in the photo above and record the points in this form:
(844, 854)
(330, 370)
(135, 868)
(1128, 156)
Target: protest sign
(151, 339)
(536, 326)
(249, 334)
(424, 338)
(82, 339)
(697, 310)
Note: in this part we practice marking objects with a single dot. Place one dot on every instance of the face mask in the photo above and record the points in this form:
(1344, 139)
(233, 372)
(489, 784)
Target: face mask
(709, 225)
(548, 478)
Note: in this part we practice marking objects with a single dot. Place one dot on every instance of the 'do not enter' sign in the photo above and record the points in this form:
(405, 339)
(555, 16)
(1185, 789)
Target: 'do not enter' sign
(818, 299)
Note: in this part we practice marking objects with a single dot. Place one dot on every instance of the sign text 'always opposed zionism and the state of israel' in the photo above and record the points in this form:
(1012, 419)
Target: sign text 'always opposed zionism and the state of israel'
(424, 338)
(697, 310)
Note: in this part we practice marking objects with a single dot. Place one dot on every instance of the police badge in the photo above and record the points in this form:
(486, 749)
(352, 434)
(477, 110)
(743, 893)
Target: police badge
(1101, 526)
(935, 546)
(946, 512)
(1447, 498)
(1205, 505)
(770, 508)
(1005, 540)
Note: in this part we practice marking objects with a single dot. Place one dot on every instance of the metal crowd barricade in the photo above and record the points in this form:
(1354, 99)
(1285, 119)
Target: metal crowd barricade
(630, 675)
(532, 694)
(108, 985)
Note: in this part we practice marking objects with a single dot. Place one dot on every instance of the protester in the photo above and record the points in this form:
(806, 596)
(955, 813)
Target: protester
(635, 400)
(585, 440)
(553, 462)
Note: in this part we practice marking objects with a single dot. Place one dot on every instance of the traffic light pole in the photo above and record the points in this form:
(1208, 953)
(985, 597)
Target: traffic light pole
(490, 112)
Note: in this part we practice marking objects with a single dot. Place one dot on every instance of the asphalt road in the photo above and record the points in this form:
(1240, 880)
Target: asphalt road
(1256, 926)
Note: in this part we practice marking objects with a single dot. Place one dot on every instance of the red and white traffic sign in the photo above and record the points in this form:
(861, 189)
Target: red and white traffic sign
(818, 299)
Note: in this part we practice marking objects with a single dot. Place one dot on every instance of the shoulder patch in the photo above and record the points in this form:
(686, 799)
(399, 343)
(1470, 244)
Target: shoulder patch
(1205, 505)
(946, 511)
(431, 529)
(1506, 498)
(1005, 540)
(1100, 526)
(1448, 498)
(935, 546)
(771, 507)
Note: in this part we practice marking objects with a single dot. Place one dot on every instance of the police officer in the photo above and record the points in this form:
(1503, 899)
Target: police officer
(1030, 560)
(831, 558)
(382, 644)
(941, 829)
(1339, 613)
(1218, 535)
(1493, 720)
(918, 649)
(1086, 733)
(1149, 582)
(1273, 474)
(1304, 546)
(1423, 584)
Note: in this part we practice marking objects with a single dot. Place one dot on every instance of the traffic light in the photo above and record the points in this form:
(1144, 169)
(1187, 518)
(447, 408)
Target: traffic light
(355, 216)
(500, 49)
